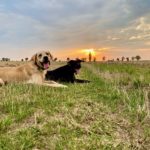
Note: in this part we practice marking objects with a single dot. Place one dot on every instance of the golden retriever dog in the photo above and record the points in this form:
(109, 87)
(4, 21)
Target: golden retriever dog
(32, 72)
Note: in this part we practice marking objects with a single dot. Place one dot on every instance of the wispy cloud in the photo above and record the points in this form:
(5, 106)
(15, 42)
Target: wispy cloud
(143, 25)
(27, 26)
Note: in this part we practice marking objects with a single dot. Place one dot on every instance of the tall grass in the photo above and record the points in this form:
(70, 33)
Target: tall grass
(111, 112)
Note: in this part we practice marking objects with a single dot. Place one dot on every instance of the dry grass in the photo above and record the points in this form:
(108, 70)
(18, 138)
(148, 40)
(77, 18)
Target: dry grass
(111, 112)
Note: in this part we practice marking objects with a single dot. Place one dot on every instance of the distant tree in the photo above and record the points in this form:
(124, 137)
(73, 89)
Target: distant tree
(132, 58)
(127, 58)
(90, 56)
(22, 59)
(94, 59)
(26, 59)
(138, 57)
(5, 59)
(83, 59)
(103, 58)
(118, 59)
(122, 58)
(55, 59)
(68, 59)
(110, 60)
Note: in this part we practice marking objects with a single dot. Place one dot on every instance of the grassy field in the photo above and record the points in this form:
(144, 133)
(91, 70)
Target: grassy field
(111, 112)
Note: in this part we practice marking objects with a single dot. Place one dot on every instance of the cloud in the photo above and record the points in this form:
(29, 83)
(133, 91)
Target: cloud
(140, 37)
(113, 38)
(135, 37)
(75, 24)
(143, 26)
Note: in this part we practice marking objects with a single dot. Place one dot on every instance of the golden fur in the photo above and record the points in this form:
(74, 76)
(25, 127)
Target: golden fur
(31, 72)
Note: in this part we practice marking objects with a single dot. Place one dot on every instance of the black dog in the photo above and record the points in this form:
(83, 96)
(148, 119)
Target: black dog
(66, 73)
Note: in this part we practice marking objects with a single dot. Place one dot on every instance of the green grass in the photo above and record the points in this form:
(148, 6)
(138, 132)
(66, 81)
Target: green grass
(111, 112)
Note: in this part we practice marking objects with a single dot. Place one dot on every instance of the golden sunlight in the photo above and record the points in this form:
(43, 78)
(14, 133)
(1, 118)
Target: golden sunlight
(87, 51)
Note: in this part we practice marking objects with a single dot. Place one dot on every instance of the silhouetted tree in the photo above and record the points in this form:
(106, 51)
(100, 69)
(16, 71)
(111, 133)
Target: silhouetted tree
(90, 56)
(68, 59)
(103, 58)
(138, 57)
(110, 60)
(132, 58)
(122, 58)
(55, 59)
(127, 58)
(22, 59)
(5, 59)
(83, 59)
(26, 59)
(118, 59)
(94, 59)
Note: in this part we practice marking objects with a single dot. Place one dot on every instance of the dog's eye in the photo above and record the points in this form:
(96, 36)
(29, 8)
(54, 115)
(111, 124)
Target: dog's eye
(40, 55)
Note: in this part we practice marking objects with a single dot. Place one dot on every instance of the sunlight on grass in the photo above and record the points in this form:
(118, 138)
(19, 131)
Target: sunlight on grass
(111, 112)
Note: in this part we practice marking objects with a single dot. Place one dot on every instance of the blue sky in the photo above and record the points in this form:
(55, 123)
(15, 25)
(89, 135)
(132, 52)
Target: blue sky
(114, 28)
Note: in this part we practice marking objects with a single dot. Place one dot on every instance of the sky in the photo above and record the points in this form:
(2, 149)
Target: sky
(113, 28)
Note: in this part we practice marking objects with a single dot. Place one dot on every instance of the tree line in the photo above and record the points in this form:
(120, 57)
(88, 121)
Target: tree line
(5, 59)
(138, 57)
(91, 58)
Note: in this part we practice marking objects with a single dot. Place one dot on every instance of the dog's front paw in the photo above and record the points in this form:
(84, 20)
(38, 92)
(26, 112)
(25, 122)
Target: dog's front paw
(2, 82)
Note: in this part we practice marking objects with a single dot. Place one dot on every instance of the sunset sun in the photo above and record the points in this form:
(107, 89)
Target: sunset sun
(87, 51)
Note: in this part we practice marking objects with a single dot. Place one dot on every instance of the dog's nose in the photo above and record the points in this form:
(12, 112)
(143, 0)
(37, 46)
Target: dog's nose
(45, 58)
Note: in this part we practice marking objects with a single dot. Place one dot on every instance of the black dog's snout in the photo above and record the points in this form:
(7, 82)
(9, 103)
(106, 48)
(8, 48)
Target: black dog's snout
(45, 59)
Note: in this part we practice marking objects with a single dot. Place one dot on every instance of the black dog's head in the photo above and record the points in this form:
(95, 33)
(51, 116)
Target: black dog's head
(75, 65)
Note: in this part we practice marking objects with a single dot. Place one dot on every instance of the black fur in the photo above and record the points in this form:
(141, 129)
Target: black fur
(66, 73)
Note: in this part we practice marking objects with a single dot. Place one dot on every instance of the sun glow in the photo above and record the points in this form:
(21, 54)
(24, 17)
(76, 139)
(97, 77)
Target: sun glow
(88, 51)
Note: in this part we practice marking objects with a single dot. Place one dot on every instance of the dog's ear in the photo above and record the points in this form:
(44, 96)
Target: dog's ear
(33, 58)
(50, 55)
(70, 62)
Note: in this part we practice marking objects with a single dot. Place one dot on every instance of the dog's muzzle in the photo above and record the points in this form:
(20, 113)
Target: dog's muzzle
(77, 71)
(46, 62)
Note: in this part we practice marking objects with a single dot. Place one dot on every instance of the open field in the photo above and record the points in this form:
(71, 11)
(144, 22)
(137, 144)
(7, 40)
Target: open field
(111, 112)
